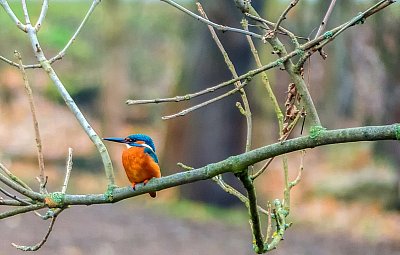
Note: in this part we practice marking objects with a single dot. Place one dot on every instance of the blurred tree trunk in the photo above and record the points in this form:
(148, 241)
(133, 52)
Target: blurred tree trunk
(219, 128)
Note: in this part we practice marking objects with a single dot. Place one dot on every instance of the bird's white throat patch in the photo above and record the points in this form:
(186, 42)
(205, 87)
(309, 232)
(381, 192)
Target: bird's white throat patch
(141, 145)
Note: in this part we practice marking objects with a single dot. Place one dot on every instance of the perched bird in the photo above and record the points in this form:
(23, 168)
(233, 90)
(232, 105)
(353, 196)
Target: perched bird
(139, 159)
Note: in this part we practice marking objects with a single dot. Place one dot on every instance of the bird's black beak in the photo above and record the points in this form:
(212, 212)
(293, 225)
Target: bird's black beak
(115, 139)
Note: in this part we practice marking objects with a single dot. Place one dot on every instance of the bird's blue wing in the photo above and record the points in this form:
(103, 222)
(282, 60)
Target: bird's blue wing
(152, 154)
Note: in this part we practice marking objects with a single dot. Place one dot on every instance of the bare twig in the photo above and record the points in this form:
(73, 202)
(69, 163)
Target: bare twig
(319, 42)
(269, 222)
(216, 87)
(325, 19)
(61, 54)
(284, 13)
(300, 51)
(301, 168)
(108, 168)
(11, 14)
(215, 25)
(258, 239)
(11, 202)
(68, 171)
(247, 111)
(264, 78)
(213, 100)
(25, 11)
(17, 65)
(262, 170)
(41, 243)
(16, 186)
(231, 190)
(35, 124)
(43, 12)
(14, 177)
(281, 29)
(24, 209)
(8, 194)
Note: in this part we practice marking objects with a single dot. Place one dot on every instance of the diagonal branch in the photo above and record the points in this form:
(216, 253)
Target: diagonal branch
(108, 168)
(61, 54)
(42, 242)
(213, 100)
(20, 210)
(11, 14)
(215, 25)
(284, 13)
(43, 12)
(325, 19)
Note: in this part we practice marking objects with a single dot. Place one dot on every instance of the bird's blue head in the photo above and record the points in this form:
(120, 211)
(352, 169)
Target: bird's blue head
(137, 140)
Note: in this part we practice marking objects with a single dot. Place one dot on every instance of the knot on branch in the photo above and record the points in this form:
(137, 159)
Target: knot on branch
(109, 194)
(361, 20)
(315, 131)
(55, 200)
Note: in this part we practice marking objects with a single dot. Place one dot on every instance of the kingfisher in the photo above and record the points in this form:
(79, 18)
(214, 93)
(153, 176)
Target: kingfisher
(139, 159)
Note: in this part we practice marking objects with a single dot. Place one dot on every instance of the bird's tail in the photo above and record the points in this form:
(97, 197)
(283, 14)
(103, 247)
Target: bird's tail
(153, 194)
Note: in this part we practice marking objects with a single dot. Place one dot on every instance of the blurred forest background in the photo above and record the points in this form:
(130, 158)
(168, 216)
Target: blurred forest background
(349, 196)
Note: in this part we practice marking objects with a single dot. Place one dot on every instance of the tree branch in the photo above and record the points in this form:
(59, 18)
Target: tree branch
(35, 124)
(215, 25)
(325, 19)
(239, 162)
(284, 13)
(42, 242)
(61, 54)
(11, 14)
(23, 209)
(108, 168)
(43, 12)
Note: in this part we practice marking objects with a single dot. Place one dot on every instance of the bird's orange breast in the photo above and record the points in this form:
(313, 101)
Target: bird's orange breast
(139, 166)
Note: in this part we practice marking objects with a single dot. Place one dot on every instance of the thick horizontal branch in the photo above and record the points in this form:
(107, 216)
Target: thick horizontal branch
(239, 162)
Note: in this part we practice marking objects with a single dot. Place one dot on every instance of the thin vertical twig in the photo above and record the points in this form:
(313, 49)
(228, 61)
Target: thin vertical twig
(68, 171)
(325, 19)
(26, 13)
(264, 78)
(269, 222)
(43, 12)
(253, 212)
(38, 138)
